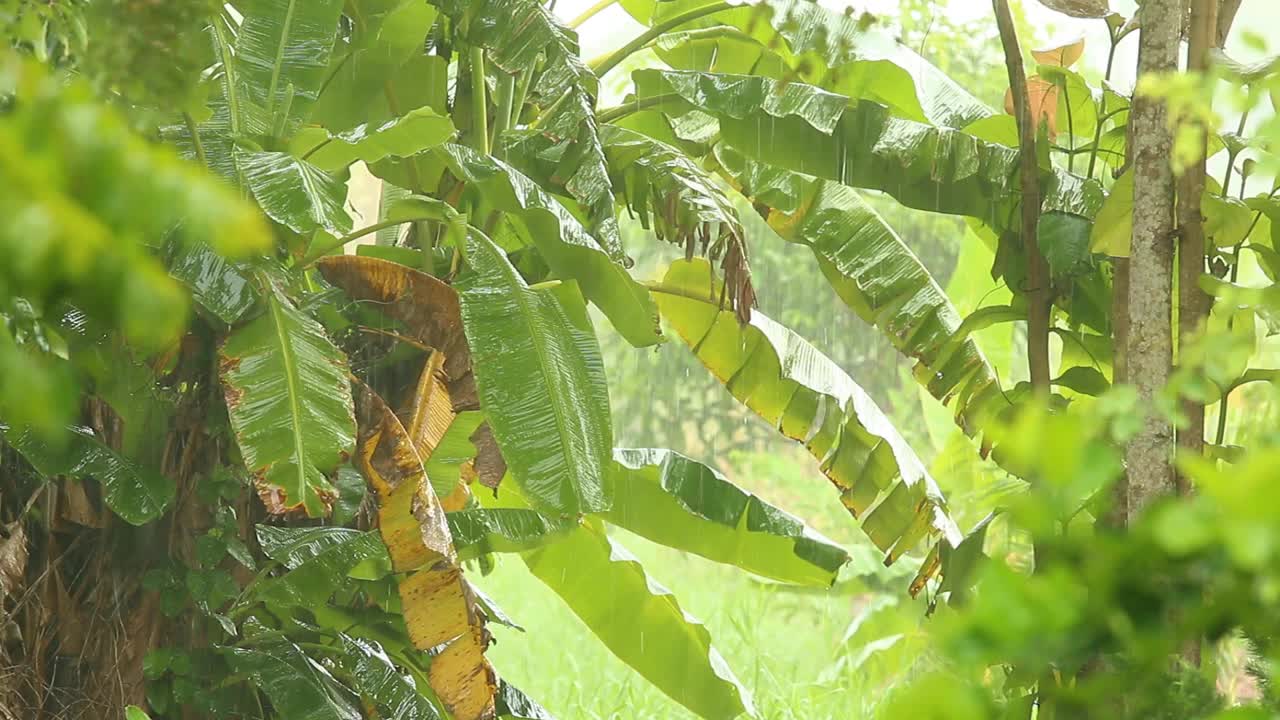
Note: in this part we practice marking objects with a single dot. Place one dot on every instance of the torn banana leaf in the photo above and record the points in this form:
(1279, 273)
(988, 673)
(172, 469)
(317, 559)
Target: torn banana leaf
(880, 279)
(602, 583)
(506, 530)
(319, 560)
(673, 500)
(282, 57)
(541, 381)
(570, 251)
(803, 394)
(440, 611)
(290, 405)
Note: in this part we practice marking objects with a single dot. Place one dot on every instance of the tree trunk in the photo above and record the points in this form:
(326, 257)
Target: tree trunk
(1193, 304)
(1149, 456)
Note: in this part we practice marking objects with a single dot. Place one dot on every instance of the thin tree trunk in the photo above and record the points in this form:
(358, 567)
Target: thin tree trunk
(1150, 346)
(1193, 304)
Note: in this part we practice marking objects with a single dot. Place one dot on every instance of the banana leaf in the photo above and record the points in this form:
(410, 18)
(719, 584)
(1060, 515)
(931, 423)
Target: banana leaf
(799, 391)
(879, 278)
(481, 531)
(601, 582)
(281, 56)
(675, 501)
(290, 405)
(564, 243)
(523, 36)
(858, 143)
(136, 493)
(416, 131)
(802, 40)
(294, 192)
(541, 382)
(375, 677)
(299, 688)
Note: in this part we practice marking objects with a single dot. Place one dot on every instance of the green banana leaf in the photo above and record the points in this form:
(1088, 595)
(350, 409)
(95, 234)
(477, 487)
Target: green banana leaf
(602, 583)
(299, 688)
(281, 56)
(799, 391)
(541, 382)
(675, 501)
(376, 678)
(564, 243)
(295, 193)
(802, 40)
(319, 560)
(215, 283)
(523, 36)
(491, 530)
(515, 705)
(879, 278)
(416, 131)
(137, 494)
(290, 405)
(858, 143)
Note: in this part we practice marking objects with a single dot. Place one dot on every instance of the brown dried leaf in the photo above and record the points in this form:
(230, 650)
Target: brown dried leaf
(489, 465)
(1042, 96)
(13, 558)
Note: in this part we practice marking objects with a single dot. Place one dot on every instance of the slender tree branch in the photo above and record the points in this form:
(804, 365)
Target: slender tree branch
(317, 253)
(618, 112)
(590, 13)
(195, 138)
(604, 65)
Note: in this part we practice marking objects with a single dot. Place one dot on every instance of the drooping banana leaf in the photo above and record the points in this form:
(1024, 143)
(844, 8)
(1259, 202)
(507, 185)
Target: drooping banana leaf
(809, 130)
(799, 391)
(602, 582)
(427, 307)
(319, 560)
(215, 283)
(506, 530)
(541, 382)
(136, 493)
(675, 501)
(294, 192)
(416, 131)
(290, 405)
(879, 278)
(802, 40)
(282, 54)
(569, 250)
(519, 35)
(681, 203)
(438, 605)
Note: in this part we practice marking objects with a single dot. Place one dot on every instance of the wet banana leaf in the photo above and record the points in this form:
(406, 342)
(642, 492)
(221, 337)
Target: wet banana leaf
(602, 582)
(215, 284)
(444, 466)
(515, 705)
(438, 606)
(427, 307)
(799, 391)
(879, 278)
(570, 251)
(416, 131)
(488, 530)
(675, 501)
(299, 688)
(802, 40)
(410, 518)
(431, 416)
(858, 143)
(681, 203)
(541, 382)
(137, 494)
(319, 561)
(523, 36)
(282, 55)
(295, 193)
(376, 679)
(290, 406)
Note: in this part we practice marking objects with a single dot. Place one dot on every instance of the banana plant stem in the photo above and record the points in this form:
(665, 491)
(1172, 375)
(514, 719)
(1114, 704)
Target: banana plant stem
(479, 102)
(604, 65)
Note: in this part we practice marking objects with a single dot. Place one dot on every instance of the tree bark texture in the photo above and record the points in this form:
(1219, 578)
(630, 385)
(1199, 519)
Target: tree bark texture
(1193, 304)
(1149, 456)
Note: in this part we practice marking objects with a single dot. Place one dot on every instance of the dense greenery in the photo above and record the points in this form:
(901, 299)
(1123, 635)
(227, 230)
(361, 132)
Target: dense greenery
(259, 456)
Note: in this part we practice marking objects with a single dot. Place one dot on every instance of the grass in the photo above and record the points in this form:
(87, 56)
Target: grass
(786, 645)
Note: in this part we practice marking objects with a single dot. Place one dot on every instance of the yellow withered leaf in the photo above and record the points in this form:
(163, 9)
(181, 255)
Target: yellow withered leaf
(410, 518)
(427, 307)
(1064, 55)
(439, 610)
(432, 410)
